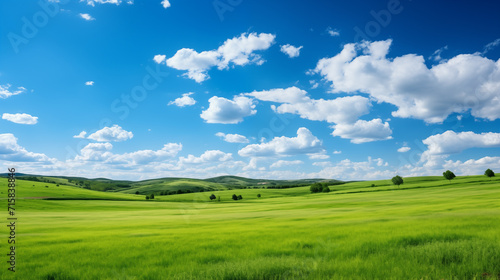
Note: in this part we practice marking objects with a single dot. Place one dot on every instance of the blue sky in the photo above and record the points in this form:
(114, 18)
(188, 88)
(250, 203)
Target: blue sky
(346, 90)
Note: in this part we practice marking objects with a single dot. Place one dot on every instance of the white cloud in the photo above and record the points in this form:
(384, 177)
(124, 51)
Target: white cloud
(232, 138)
(185, 100)
(321, 155)
(363, 131)
(86, 17)
(295, 101)
(5, 92)
(159, 58)
(207, 156)
(491, 46)
(140, 157)
(372, 169)
(281, 163)
(451, 142)
(222, 110)
(332, 32)
(404, 149)
(165, 3)
(337, 152)
(116, 2)
(95, 152)
(304, 143)
(11, 151)
(290, 50)
(464, 82)
(109, 134)
(436, 56)
(20, 118)
(81, 135)
(89, 83)
(472, 166)
(236, 51)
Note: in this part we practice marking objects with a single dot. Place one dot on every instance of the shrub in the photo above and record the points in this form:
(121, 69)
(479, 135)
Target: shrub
(136, 192)
(212, 197)
(326, 189)
(152, 196)
(235, 197)
(240, 197)
(489, 173)
(258, 195)
(147, 197)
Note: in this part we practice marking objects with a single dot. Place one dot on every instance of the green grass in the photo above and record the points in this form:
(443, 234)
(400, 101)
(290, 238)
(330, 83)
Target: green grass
(427, 228)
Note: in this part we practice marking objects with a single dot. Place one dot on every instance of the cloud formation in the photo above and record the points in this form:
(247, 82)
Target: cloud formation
(304, 143)
(20, 118)
(6, 93)
(222, 110)
(466, 82)
(185, 100)
(111, 134)
(238, 51)
(290, 50)
(232, 138)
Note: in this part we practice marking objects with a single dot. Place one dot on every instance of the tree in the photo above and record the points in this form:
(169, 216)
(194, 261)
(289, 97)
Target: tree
(152, 196)
(326, 189)
(240, 197)
(212, 197)
(147, 197)
(316, 188)
(489, 173)
(397, 180)
(258, 195)
(449, 175)
(136, 192)
(235, 197)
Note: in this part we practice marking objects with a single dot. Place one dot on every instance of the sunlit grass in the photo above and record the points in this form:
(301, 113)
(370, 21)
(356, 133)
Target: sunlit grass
(426, 229)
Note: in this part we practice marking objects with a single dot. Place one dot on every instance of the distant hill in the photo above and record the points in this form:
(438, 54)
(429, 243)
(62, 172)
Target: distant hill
(166, 186)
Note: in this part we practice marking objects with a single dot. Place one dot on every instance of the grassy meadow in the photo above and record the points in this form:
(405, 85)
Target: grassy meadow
(428, 228)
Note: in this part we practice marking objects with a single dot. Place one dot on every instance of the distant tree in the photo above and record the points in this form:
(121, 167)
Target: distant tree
(258, 195)
(147, 197)
(235, 197)
(152, 196)
(316, 188)
(489, 173)
(46, 186)
(240, 197)
(326, 189)
(373, 185)
(179, 191)
(397, 180)
(136, 192)
(58, 184)
(449, 175)
(212, 197)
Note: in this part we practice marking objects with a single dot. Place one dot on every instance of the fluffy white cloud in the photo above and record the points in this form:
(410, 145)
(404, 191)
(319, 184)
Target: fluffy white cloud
(232, 138)
(281, 163)
(236, 51)
(363, 131)
(169, 150)
(95, 152)
(81, 135)
(404, 149)
(472, 166)
(451, 142)
(185, 100)
(464, 82)
(290, 50)
(372, 169)
(89, 83)
(111, 134)
(304, 143)
(5, 92)
(165, 3)
(159, 58)
(337, 152)
(86, 16)
(11, 151)
(321, 155)
(20, 118)
(295, 101)
(207, 156)
(222, 110)
(332, 32)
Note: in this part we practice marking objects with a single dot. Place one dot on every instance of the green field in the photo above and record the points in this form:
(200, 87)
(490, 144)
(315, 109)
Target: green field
(428, 228)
